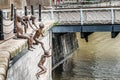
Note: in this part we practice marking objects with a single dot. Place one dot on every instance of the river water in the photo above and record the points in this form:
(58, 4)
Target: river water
(98, 59)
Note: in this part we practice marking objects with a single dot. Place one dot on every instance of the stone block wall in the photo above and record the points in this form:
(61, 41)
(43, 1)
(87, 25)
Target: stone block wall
(27, 66)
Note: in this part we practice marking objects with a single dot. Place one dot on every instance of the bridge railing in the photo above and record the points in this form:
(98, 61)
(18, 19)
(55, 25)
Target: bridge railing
(97, 16)
(84, 16)
(81, 16)
(100, 16)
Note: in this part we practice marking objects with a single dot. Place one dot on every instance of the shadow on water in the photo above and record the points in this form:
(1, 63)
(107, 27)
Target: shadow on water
(99, 59)
(75, 68)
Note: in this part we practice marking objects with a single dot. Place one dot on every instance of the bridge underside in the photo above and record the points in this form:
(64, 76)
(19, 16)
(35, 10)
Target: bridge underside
(86, 30)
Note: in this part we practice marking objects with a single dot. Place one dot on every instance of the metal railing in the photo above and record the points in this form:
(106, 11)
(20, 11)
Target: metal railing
(78, 16)
(83, 16)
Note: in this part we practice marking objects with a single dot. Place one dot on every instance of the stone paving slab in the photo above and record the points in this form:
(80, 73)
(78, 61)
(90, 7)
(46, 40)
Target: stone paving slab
(4, 60)
(2, 77)
(4, 54)
(3, 70)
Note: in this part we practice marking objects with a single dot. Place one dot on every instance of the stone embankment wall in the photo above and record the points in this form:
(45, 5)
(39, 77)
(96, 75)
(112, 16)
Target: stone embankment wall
(27, 66)
(24, 65)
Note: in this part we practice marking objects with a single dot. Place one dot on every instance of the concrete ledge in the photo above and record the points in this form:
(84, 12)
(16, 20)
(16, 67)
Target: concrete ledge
(13, 46)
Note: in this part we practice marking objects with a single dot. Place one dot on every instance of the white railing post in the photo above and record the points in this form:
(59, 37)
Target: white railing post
(112, 15)
(5, 14)
(52, 14)
(81, 17)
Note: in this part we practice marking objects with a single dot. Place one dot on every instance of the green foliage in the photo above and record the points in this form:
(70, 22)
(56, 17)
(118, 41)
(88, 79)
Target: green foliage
(56, 23)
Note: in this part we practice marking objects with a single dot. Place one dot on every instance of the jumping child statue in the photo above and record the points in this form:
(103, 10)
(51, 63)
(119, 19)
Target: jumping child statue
(41, 63)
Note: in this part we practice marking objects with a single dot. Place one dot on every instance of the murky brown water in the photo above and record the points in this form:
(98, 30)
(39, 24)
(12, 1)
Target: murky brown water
(99, 59)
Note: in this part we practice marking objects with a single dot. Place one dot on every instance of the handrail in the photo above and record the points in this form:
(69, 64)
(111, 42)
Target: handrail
(94, 8)
(78, 9)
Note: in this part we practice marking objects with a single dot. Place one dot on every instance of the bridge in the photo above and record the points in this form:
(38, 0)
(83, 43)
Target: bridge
(85, 20)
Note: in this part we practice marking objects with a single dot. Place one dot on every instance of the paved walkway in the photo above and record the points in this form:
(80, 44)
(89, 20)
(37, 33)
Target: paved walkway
(10, 47)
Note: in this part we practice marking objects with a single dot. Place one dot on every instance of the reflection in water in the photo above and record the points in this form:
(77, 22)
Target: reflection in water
(99, 59)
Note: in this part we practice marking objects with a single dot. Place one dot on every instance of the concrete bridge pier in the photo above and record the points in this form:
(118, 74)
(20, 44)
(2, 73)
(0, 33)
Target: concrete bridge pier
(64, 44)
